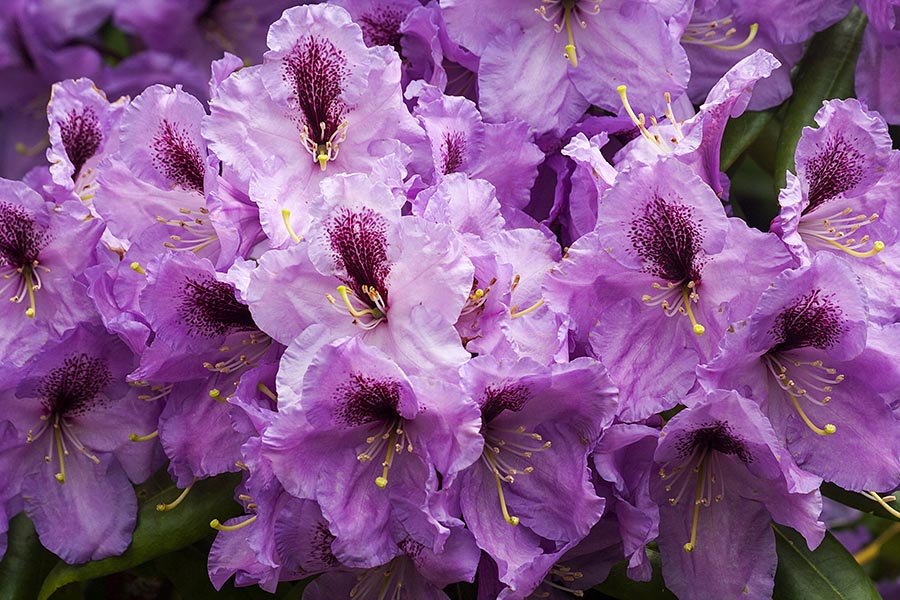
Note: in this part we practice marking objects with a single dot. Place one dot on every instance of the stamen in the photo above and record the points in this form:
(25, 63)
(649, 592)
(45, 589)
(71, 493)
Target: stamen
(264, 389)
(215, 524)
(695, 35)
(286, 216)
(177, 501)
(883, 502)
(144, 438)
(829, 428)
(515, 313)
(512, 520)
(623, 94)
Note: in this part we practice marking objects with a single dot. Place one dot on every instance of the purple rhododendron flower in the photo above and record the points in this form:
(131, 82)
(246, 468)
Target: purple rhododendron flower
(577, 54)
(73, 413)
(840, 200)
(723, 477)
(43, 248)
(538, 426)
(808, 356)
(377, 437)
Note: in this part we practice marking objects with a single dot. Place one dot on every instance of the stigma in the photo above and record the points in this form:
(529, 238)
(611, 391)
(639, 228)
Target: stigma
(366, 314)
(561, 13)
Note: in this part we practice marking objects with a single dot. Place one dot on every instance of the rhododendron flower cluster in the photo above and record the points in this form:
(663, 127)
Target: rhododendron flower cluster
(457, 287)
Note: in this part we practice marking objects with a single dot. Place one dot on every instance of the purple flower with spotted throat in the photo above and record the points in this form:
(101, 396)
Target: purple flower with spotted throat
(82, 122)
(658, 267)
(723, 477)
(546, 61)
(538, 425)
(320, 98)
(73, 414)
(376, 437)
(821, 373)
(43, 248)
(841, 200)
(400, 282)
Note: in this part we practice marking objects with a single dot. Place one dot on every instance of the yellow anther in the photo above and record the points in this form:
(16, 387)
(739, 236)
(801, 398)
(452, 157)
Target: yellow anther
(215, 524)
(143, 438)
(137, 268)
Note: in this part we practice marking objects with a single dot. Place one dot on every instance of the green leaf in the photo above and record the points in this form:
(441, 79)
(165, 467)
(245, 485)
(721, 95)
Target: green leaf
(826, 72)
(618, 585)
(859, 502)
(827, 573)
(26, 562)
(740, 133)
(158, 533)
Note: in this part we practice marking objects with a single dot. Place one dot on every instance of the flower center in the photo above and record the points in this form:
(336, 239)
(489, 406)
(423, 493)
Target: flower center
(837, 230)
(176, 156)
(359, 250)
(668, 239)
(315, 70)
(66, 392)
(811, 320)
(21, 242)
(507, 451)
(702, 452)
(209, 309)
(561, 13)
